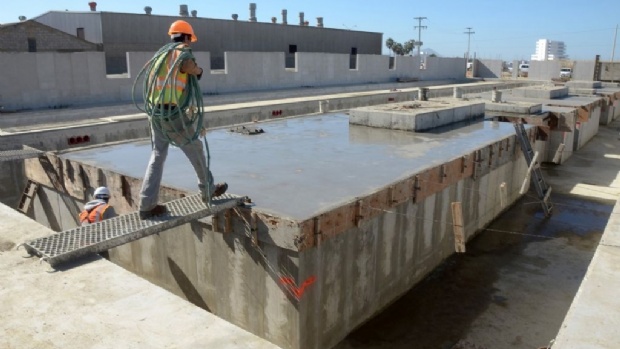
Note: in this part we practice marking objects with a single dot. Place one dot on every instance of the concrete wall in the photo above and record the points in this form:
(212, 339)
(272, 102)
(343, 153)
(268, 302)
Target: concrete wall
(367, 268)
(12, 182)
(59, 80)
(489, 68)
(588, 129)
(544, 70)
(562, 136)
(15, 38)
(583, 70)
(98, 133)
(610, 71)
(443, 68)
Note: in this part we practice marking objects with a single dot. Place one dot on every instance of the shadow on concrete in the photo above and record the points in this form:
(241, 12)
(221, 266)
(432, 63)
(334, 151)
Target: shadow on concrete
(50, 216)
(186, 286)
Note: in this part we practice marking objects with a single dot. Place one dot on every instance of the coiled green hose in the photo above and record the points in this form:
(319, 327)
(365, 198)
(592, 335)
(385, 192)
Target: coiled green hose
(190, 108)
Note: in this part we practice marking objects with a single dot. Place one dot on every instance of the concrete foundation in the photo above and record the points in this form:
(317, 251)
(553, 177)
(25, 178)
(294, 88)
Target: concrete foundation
(587, 109)
(540, 92)
(417, 116)
(285, 269)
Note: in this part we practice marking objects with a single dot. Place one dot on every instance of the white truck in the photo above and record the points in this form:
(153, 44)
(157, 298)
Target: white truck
(566, 73)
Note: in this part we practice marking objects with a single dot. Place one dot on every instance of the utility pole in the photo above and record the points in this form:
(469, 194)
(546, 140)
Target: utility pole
(613, 51)
(468, 32)
(419, 27)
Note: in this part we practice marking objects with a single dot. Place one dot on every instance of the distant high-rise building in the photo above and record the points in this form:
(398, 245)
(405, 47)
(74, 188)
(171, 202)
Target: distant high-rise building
(549, 50)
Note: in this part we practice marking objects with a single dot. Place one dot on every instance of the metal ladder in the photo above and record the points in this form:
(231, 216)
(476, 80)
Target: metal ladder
(27, 196)
(93, 238)
(542, 189)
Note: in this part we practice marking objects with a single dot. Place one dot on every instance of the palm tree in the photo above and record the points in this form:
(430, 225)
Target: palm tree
(398, 49)
(408, 47)
(389, 43)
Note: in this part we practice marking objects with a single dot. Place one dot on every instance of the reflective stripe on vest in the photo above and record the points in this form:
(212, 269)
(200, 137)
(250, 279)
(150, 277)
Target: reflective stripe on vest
(95, 215)
(163, 93)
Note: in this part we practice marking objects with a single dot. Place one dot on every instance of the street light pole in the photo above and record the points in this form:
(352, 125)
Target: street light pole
(468, 32)
(419, 27)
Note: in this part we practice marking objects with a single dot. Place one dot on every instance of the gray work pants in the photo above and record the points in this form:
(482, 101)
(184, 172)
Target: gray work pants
(149, 194)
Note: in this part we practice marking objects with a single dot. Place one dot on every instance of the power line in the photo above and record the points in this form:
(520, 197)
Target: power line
(419, 27)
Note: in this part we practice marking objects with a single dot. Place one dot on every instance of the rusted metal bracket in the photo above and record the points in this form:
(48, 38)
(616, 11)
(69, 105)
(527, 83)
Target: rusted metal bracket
(357, 215)
(416, 188)
(477, 164)
(442, 173)
(317, 232)
(464, 159)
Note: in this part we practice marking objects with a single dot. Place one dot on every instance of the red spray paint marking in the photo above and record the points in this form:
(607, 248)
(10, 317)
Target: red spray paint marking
(290, 284)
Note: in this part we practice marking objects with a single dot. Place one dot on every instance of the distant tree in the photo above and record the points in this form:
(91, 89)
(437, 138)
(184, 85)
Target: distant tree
(398, 49)
(389, 43)
(432, 55)
(408, 46)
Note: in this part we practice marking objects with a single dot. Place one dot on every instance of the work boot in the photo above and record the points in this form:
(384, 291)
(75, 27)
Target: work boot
(220, 189)
(154, 212)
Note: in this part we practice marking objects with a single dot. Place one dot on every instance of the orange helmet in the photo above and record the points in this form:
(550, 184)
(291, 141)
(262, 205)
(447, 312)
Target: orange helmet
(182, 27)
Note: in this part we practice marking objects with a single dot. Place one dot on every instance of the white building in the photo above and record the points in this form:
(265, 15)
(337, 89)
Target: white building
(549, 50)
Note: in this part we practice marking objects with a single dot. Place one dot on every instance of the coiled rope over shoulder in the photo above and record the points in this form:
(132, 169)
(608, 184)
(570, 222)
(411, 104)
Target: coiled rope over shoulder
(181, 121)
(161, 115)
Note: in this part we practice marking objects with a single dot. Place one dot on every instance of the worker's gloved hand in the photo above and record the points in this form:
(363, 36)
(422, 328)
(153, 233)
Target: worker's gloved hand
(203, 132)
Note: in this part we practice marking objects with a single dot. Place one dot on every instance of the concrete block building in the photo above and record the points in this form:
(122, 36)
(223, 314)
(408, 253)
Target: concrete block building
(120, 33)
(32, 36)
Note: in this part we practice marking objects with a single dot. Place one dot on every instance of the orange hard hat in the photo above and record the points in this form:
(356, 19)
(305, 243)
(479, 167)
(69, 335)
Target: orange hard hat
(182, 27)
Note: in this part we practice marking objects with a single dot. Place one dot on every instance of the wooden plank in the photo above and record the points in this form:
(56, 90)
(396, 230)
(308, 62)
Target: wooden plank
(457, 223)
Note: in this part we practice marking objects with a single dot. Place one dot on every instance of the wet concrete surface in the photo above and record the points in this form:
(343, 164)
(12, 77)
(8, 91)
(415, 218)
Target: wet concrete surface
(511, 289)
(302, 166)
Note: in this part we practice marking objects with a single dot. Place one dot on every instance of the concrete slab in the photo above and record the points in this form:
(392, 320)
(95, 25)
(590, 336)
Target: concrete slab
(331, 160)
(583, 84)
(513, 107)
(540, 92)
(591, 321)
(96, 305)
(418, 116)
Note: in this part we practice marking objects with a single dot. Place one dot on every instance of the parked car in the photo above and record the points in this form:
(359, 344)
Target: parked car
(566, 73)
(524, 69)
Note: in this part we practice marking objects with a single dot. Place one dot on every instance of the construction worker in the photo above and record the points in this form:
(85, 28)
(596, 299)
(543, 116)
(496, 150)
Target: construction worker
(167, 97)
(98, 209)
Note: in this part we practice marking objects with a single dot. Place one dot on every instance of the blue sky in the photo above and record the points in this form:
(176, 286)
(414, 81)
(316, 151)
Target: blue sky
(505, 30)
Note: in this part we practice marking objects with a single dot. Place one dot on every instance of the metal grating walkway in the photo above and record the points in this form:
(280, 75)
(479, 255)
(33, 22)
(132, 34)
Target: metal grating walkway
(93, 238)
(8, 155)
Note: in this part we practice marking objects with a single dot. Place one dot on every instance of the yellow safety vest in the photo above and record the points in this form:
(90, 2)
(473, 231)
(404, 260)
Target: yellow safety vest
(172, 95)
